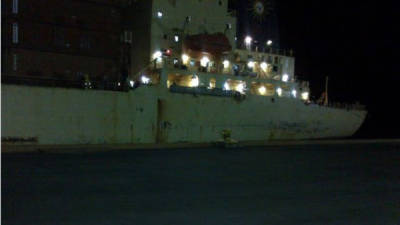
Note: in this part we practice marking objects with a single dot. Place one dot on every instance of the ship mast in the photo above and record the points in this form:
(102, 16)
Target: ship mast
(326, 91)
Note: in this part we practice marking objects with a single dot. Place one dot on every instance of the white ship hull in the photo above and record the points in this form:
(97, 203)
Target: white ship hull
(150, 114)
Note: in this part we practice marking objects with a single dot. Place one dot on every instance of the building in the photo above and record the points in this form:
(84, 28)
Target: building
(65, 40)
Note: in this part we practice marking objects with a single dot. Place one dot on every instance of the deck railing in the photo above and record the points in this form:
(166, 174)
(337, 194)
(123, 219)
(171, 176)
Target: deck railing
(64, 83)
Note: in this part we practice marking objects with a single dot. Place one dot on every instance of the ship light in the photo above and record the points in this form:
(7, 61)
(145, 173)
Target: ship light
(132, 83)
(305, 96)
(285, 78)
(185, 59)
(240, 87)
(279, 91)
(158, 56)
(145, 80)
(226, 63)
(250, 64)
(194, 82)
(159, 14)
(247, 40)
(264, 66)
(227, 87)
(294, 93)
(204, 61)
(262, 90)
(212, 83)
(269, 42)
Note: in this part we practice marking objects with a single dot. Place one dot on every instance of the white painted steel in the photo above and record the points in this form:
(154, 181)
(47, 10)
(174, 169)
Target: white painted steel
(150, 114)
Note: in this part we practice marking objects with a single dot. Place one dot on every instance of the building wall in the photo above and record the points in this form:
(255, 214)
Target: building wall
(62, 39)
(141, 25)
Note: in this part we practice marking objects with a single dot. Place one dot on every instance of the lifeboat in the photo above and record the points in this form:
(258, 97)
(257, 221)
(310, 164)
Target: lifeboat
(214, 44)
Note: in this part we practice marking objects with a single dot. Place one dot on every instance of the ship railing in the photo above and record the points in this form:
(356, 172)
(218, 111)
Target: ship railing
(65, 83)
(338, 105)
(269, 50)
(242, 70)
(348, 106)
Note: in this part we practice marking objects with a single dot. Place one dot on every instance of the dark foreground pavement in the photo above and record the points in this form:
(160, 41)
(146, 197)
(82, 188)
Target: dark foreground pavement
(309, 184)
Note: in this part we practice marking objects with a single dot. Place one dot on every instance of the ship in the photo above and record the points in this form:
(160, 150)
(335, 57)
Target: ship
(190, 82)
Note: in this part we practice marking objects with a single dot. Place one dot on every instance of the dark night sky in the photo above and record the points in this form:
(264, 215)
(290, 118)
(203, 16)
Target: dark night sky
(353, 43)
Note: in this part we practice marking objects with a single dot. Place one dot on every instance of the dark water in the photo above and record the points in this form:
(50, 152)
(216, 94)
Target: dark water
(318, 184)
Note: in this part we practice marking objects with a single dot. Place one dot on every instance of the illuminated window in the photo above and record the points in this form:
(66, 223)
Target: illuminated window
(145, 80)
(185, 59)
(262, 90)
(213, 83)
(204, 61)
(264, 66)
(15, 33)
(128, 36)
(194, 81)
(226, 63)
(176, 38)
(250, 64)
(285, 78)
(157, 56)
(227, 87)
(305, 96)
(294, 93)
(240, 87)
(279, 91)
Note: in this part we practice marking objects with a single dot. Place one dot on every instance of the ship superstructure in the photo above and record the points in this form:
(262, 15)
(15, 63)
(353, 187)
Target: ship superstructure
(199, 37)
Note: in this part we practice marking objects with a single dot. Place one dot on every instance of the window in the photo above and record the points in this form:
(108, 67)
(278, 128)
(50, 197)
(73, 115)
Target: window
(128, 36)
(15, 61)
(15, 33)
(176, 38)
(15, 7)
(85, 42)
(220, 2)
